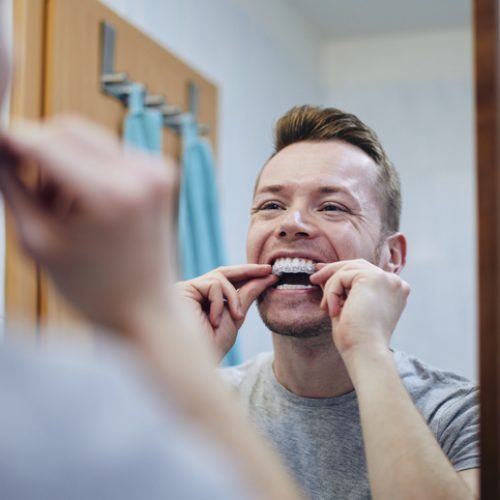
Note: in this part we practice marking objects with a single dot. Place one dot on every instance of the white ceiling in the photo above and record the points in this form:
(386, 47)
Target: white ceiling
(337, 18)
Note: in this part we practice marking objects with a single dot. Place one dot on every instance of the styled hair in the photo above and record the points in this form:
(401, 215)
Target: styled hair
(312, 123)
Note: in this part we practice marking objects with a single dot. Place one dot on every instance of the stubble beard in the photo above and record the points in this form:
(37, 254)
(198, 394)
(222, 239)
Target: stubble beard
(301, 330)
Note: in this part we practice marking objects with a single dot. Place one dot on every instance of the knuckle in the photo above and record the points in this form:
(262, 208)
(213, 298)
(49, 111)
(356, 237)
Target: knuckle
(215, 285)
(394, 281)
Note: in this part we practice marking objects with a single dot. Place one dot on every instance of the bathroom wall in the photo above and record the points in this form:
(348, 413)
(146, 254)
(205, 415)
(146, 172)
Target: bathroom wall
(416, 91)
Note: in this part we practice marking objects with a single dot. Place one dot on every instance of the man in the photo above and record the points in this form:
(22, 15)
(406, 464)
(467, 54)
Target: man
(325, 254)
(129, 426)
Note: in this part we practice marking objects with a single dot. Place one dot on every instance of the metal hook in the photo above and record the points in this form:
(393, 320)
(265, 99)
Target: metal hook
(117, 84)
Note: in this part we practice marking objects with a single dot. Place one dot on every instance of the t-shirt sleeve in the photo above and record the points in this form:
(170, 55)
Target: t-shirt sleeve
(458, 429)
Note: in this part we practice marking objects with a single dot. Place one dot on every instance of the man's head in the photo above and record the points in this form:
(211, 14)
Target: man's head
(315, 124)
(328, 193)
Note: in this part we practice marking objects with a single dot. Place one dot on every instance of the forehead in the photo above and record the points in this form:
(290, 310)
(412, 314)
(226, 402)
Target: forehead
(316, 164)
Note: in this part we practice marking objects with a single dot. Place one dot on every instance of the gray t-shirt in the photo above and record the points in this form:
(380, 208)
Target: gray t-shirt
(321, 439)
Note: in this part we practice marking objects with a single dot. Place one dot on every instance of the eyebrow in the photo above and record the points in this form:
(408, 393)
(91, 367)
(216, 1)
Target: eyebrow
(277, 188)
(273, 188)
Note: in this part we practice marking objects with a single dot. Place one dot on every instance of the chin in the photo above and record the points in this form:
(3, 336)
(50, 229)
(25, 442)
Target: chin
(297, 327)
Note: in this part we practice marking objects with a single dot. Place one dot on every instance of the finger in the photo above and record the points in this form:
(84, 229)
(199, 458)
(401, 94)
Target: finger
(202, 286)
(89, 135)
(323, 273)
(252, 289)
(64, 161)
(334, 304)
(241, 273)
(43, 193)
(32, 225)
(233, 299)
(216, 300)
(336, 291)
(80, 132)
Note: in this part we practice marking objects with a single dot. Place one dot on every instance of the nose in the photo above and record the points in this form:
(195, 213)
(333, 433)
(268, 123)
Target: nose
(295, 225)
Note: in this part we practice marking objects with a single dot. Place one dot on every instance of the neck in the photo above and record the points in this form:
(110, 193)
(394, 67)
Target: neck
(311, 367)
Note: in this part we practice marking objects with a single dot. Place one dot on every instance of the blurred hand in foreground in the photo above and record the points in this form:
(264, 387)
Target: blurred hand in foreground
(99, 218)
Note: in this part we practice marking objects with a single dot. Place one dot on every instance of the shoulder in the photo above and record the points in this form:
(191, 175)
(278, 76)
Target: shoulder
(435, 392)
(249, 371)
(416, 373)
(449, 403)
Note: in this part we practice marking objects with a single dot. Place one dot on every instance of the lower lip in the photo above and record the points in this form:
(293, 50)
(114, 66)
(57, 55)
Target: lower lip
(315, 289)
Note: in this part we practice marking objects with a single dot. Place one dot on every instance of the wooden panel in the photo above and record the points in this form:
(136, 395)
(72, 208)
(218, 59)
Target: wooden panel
(488, 185)
(73, 56)
(74, 68)
(21, 284)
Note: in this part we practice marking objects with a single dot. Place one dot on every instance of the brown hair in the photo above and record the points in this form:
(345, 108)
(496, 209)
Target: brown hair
(311, 123)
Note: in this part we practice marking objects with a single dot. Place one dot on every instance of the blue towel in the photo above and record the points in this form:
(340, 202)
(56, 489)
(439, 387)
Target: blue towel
(143, 127)
(200, 234)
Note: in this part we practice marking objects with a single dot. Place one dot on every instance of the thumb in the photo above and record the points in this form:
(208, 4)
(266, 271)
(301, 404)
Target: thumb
(32, 226)
(252, 289)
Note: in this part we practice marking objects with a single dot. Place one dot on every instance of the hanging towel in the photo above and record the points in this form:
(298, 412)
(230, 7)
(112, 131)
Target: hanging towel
(200, 234)
(143, 127)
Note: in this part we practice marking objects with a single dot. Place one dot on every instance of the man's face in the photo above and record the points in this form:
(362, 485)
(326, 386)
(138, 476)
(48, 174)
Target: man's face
(315, 201)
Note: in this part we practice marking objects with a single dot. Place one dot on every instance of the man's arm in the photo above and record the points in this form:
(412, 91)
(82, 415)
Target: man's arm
(100, 224)
(404, 459)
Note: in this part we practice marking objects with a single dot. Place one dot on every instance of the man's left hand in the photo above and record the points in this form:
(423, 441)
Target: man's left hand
(364, 302)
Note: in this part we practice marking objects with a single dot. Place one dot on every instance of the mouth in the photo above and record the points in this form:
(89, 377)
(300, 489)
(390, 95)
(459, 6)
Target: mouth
(293, 273)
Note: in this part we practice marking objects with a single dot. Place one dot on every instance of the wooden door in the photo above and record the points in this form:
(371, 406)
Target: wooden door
(22, 279)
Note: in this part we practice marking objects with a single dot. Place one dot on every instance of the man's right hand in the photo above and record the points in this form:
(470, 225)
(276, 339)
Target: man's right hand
(221, 298)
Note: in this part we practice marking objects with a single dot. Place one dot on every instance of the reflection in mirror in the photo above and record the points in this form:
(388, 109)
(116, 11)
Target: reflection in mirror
(406, 69)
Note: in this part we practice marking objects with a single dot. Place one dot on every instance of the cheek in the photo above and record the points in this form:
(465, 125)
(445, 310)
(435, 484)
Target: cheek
(255, 240)
(251, 246)
(345, 241)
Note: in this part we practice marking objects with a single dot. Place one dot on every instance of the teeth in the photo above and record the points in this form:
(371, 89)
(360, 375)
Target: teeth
(287, 286)
(294, 265)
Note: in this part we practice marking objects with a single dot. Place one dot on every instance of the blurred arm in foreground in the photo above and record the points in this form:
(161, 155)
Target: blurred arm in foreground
(100, 224)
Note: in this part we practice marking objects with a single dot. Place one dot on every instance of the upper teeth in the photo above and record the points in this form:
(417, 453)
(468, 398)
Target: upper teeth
(294, 265)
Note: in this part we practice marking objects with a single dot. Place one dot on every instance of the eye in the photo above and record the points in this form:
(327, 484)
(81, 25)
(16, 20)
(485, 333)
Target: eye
(270, 205)
(267, 206)
(332, 207)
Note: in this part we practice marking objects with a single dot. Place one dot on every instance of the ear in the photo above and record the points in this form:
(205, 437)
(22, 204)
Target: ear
(393, 254)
